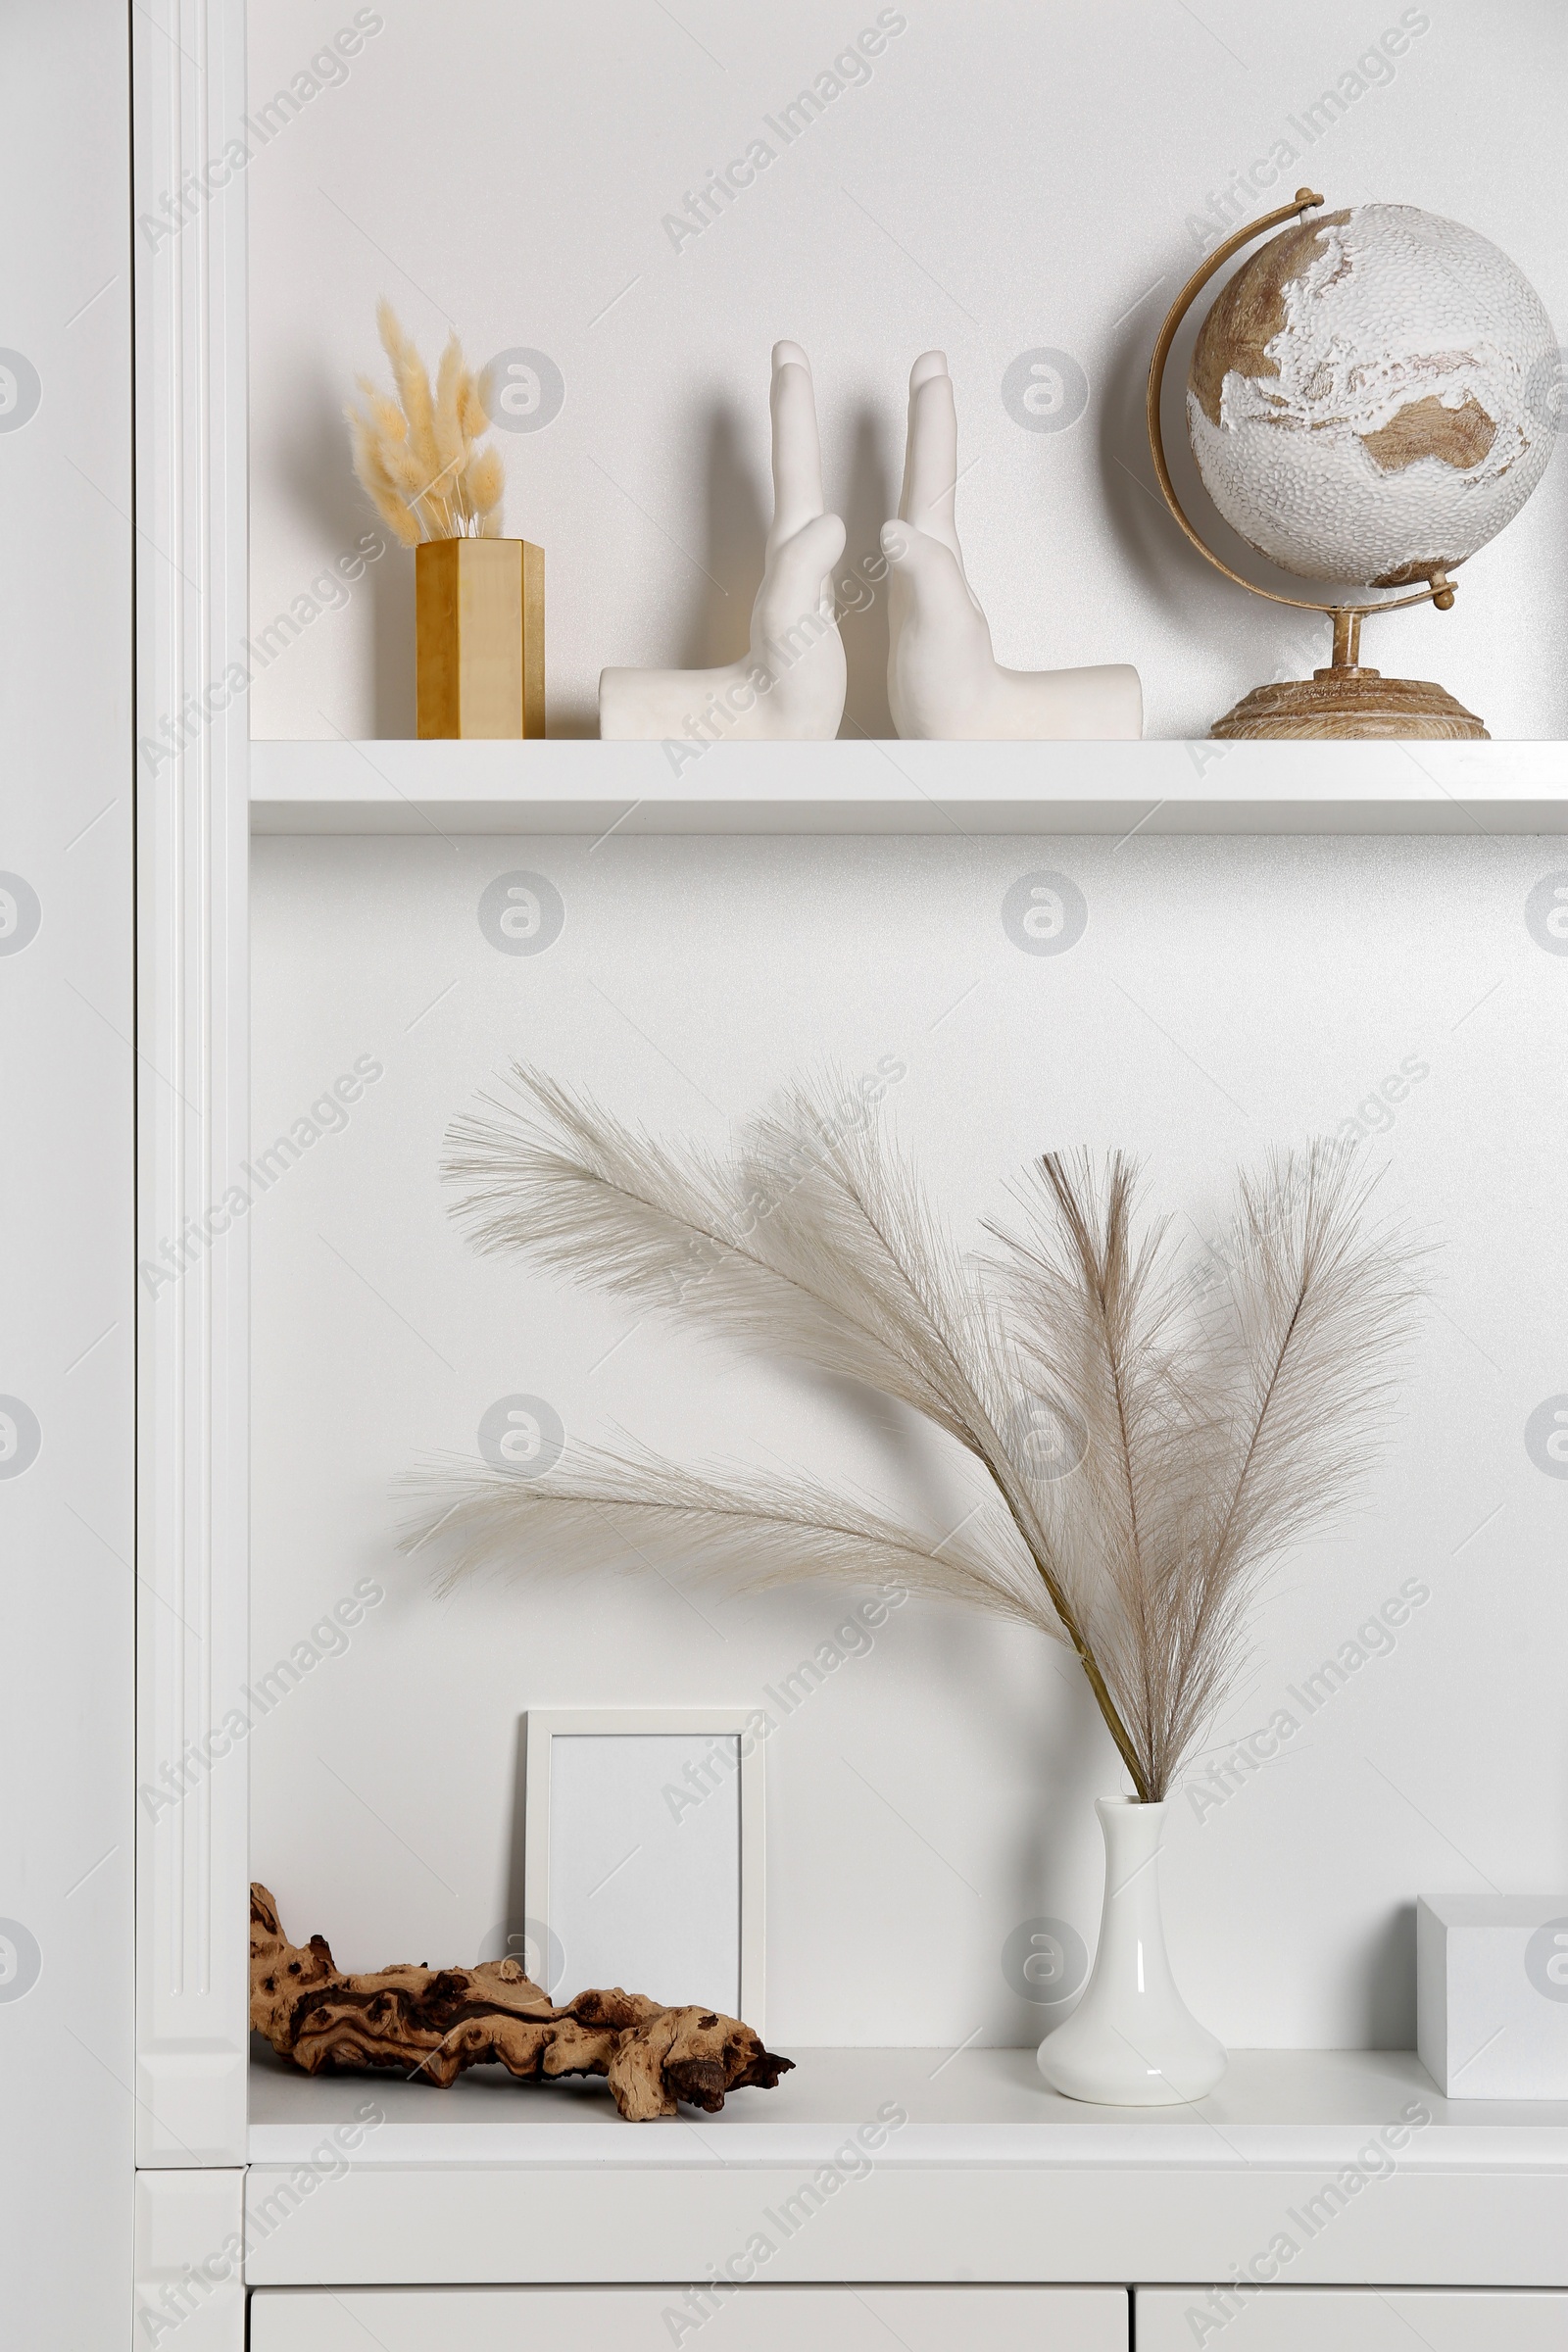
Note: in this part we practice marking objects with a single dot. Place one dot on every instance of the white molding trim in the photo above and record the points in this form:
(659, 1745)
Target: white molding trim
(544, 1724)
(189, 96)
(190, 2262)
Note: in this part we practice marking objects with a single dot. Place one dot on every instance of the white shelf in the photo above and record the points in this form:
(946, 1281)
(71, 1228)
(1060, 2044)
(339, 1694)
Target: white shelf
(990, 2177)
(981, 2107)
(938, 788)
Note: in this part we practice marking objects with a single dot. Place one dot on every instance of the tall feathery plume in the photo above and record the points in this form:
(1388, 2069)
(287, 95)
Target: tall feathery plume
(416, 456)
(1195, 1446)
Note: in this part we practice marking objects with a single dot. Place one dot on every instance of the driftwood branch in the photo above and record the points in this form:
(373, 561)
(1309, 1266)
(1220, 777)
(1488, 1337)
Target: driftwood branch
(431, 2024)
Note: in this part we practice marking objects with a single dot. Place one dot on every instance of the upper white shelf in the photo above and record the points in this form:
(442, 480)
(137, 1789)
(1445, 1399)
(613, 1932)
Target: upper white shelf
(939, 787)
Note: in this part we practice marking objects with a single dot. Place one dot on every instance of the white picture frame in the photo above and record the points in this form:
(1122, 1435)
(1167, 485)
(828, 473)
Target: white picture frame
(724, 1792)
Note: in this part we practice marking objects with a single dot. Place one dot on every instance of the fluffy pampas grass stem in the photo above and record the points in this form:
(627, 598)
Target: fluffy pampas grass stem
(1141, 1457)
(416, 456)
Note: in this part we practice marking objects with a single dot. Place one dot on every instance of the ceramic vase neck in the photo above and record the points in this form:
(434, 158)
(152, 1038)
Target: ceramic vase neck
(1132, 1936)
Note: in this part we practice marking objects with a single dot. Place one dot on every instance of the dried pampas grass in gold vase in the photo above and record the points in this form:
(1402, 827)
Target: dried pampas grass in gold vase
(479, 598)
(1142, 1451)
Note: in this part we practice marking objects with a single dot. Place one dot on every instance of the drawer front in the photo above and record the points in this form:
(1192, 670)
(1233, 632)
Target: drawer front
(1350, 2318)
(648, 2319)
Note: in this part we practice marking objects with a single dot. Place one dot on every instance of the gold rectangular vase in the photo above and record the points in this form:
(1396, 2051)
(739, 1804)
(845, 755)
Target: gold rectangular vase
(480, 637)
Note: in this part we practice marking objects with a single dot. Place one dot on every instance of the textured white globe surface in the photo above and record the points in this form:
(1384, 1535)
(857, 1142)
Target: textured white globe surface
(1373, 394)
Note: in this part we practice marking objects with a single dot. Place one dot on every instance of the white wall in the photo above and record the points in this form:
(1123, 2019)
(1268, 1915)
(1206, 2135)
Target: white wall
(67, 1172)
(1017, 174)
(935, 1792)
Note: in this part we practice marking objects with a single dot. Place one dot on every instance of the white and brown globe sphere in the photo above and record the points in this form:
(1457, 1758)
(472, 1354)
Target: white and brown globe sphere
(1373, 394)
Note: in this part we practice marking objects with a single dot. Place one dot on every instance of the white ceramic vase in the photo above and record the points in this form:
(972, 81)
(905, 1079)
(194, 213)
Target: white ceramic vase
(1131, 2042)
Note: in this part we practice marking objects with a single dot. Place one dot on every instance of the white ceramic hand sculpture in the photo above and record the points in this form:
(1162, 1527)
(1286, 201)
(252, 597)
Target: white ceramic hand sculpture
(944, 681)
(789, 686)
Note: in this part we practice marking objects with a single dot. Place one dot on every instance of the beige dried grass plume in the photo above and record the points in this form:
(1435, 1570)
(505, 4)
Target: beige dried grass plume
(418, 456)
(1189, 1441)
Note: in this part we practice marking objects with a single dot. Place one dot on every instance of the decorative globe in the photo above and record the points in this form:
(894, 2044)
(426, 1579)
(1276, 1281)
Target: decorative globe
(1373, 395)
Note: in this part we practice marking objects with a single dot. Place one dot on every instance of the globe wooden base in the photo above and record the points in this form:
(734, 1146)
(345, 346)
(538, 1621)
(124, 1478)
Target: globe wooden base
(1346, 702)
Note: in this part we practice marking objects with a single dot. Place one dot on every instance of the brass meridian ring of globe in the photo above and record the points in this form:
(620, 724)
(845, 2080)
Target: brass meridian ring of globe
(1347, 619)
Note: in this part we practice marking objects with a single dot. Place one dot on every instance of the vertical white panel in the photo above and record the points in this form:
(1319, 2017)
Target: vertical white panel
(66, 1168)
(191, 769)
(190, 2260)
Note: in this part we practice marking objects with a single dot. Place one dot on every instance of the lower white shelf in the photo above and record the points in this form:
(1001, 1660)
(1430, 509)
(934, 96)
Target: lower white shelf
(913, 2166)
(614, 789)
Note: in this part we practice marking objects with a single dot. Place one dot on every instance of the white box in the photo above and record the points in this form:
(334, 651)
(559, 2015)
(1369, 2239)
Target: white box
(1491, 1994)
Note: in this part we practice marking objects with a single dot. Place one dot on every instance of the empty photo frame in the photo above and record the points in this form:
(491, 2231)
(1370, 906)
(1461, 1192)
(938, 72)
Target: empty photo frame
(643, 1853)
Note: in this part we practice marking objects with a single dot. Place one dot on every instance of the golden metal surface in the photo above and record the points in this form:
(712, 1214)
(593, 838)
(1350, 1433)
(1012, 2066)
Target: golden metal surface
(479, 632)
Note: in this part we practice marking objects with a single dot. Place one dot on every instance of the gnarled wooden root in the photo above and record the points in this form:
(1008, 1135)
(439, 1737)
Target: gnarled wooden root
(433, 2022)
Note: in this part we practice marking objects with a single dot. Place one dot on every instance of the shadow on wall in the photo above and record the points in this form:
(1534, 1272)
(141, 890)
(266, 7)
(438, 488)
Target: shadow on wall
(1068, 1767)
(1390, 1983)
(725, 573)
(393, 707)
(872, 500)
(516, 1941)
(722, 572)
(320, 478)
(735, 531)
(1055, 1743)
(1260, 640)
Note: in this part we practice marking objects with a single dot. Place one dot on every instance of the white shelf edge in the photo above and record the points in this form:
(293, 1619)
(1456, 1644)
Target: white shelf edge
(614, 789)
(987, 2177)
(1275, 2109)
